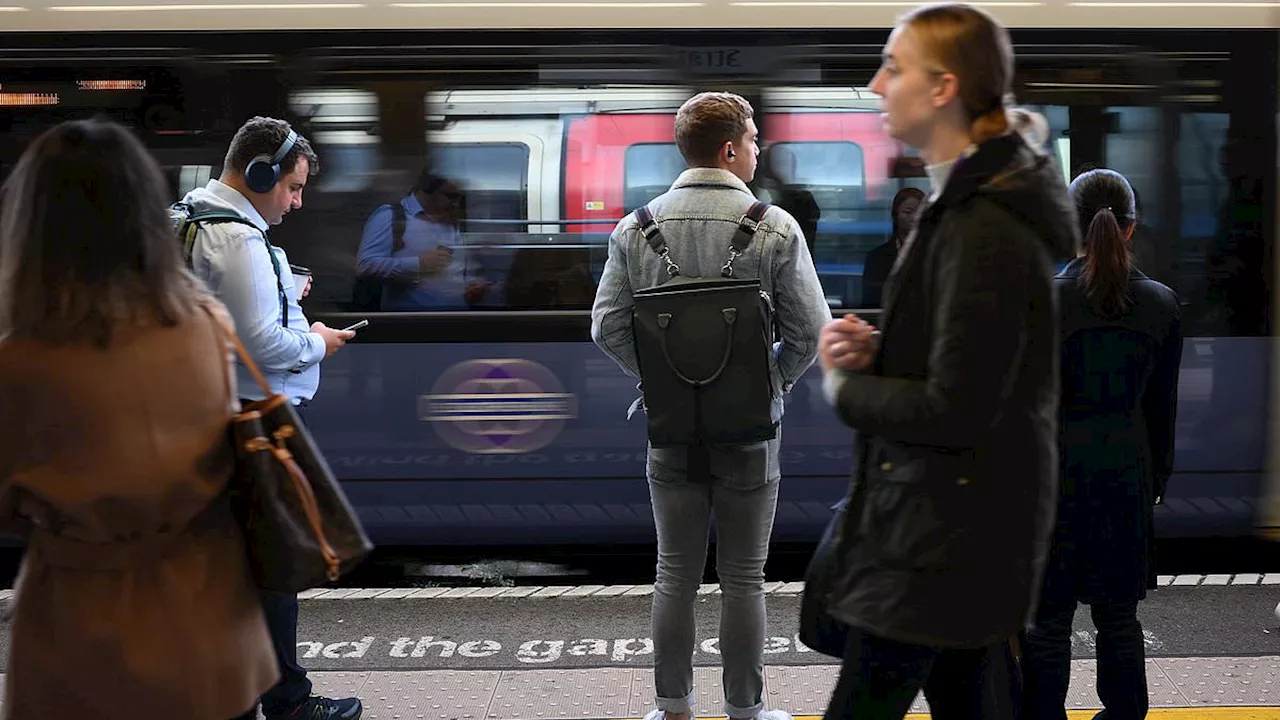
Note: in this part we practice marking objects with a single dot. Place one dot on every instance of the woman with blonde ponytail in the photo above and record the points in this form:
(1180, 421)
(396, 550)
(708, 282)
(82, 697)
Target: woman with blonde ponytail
(1121, 348)
(941, 547)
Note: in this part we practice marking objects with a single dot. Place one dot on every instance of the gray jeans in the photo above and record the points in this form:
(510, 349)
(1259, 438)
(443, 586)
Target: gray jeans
(743, 493)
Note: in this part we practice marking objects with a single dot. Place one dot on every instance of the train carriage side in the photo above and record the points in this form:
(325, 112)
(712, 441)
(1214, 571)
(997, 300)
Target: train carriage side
(497, 421)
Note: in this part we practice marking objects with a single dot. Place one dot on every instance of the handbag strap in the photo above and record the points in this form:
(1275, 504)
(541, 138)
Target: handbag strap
(302, 486)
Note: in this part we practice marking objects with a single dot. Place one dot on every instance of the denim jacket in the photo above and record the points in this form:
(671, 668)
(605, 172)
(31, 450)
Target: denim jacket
(698, 216)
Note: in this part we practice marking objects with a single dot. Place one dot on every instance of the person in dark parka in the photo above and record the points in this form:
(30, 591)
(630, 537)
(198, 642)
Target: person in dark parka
(1121, 348)
(947, 526)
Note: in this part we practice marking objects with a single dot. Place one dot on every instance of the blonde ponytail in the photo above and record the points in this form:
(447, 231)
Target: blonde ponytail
(991, 124)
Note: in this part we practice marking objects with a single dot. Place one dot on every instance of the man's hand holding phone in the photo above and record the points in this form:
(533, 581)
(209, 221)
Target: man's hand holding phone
(333, 339)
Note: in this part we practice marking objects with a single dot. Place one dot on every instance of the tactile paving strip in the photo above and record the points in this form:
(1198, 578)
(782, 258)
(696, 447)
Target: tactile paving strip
(603, 692)
(799, 687)
(1083, 691)
(427, 695)
(341, 684)
(801, 690)
(1225, 681)
(708, 688)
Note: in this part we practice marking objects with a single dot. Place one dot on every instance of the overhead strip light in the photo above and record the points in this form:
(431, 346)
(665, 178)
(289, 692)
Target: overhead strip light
(876, 3)
(1258, 4)
(545, 4)
(218, 6)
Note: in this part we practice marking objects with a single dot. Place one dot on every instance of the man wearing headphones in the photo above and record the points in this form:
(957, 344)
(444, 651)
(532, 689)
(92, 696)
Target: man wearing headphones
(266, 168)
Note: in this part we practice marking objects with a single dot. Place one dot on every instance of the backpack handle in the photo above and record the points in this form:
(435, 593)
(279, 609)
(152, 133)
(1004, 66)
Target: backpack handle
(730, 316)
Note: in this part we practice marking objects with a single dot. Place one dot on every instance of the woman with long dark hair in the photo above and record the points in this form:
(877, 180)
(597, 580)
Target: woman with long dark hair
(134, 599)
(1121, 348)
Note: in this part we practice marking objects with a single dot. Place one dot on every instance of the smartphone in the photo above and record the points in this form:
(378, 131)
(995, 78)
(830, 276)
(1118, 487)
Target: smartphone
(355, 327)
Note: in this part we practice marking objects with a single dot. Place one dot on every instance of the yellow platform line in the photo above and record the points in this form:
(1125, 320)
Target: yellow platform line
(1170, 712)
(1198, 713)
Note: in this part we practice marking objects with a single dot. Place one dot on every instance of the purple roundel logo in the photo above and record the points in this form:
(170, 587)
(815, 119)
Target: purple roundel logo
(501, 406)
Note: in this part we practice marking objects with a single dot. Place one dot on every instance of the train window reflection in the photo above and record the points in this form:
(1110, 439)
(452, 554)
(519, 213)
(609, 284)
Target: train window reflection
(515, 204)
(651, 168)
(343, 122)
(824, 164)
(529, 182)
(493, 180)
(828, 165)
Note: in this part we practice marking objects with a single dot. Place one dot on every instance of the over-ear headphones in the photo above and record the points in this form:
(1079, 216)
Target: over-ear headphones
(262, 172)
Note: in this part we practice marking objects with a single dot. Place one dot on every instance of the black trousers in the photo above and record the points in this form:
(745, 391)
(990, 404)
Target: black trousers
(281, 611)
(1046, 661)
(880, 678)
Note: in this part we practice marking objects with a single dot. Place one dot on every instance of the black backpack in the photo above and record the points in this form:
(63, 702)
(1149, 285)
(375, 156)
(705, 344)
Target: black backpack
(186, 223)
(366, 293)
(703, 345)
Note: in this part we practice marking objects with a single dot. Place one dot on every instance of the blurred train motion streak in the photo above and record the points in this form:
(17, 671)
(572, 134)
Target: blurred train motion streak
(474, 409)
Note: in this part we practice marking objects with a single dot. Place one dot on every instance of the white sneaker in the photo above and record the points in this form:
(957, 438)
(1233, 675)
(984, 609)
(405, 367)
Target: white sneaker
(656, 714)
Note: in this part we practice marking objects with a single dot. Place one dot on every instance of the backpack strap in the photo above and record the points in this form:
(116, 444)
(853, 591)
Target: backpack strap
(397, 226)
(652, 235)
(217, 217)
(744, 233)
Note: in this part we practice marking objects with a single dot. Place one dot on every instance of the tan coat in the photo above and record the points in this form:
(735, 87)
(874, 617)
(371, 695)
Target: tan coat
(134, 599)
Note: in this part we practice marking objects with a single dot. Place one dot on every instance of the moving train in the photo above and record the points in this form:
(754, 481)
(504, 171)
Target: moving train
(492, 418)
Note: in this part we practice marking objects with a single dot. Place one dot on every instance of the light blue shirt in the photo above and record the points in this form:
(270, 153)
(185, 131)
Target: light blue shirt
(404, 287)
(233, 260)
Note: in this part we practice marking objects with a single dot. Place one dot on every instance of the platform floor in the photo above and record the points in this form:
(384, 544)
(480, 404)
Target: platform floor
(1237, 688)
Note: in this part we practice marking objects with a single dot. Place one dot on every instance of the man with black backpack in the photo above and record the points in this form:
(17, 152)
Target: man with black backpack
(223, 227)
(711, 299)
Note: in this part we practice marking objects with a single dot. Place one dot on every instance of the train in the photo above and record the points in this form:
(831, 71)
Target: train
(495, 420)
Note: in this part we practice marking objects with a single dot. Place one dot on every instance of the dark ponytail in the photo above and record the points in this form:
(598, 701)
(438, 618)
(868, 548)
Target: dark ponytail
(1107, 264)
(1105, 207)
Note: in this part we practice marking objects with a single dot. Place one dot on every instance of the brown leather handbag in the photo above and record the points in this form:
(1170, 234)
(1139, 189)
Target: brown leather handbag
(300, 529)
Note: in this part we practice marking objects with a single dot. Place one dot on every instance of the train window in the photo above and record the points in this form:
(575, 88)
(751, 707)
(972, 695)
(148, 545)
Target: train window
(342, 123)
(191, 177)
(1201, 139)
(828, 165)
(493, 178)
(836, 165)
(649, 170)
(1133, 150)
(829, 173)
(350, 159)
(511, 209)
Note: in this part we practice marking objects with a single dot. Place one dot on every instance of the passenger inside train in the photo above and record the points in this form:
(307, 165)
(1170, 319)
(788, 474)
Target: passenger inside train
(412, 256)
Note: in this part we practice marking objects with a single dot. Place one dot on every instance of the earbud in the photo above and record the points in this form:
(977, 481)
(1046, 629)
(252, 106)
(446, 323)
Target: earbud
(732, 154)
